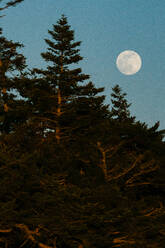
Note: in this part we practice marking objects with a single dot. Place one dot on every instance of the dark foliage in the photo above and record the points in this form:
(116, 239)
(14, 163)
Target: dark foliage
(74, 173)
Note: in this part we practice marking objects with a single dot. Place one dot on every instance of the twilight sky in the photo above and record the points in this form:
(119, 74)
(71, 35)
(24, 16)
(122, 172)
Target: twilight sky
(106, 28)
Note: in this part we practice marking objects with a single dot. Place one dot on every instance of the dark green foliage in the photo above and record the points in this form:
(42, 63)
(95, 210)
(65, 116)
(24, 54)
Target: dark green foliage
(72, 172)
(120, 107)
(71, 108)
(11, 62)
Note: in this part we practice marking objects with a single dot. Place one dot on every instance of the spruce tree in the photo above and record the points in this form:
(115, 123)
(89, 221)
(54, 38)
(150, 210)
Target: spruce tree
(120, 107)
(72, 105)
(12, 63)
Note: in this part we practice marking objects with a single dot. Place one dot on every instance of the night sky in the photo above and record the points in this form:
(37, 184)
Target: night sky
(106, 28)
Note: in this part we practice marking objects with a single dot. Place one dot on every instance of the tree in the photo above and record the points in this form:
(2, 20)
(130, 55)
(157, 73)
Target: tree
(52, 192)
(11, 63)
(68, 99)
(120, 107)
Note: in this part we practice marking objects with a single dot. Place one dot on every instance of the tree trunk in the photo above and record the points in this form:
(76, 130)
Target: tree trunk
(103, 164)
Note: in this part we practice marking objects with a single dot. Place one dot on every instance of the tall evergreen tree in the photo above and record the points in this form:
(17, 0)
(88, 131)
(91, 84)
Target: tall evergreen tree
(43, 209)
(69, 101)
(120, 106)
(12, 63)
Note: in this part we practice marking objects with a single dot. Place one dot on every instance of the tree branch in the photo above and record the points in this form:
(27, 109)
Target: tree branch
(29, 235)
(139, 158)
(11, 3)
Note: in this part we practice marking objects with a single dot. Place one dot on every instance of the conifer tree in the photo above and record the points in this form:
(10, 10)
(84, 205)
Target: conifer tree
(39, 209)
(12, 63)
(70, 101)
(120, 107)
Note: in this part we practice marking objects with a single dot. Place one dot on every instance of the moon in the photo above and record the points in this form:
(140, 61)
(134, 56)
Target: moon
(128, 62)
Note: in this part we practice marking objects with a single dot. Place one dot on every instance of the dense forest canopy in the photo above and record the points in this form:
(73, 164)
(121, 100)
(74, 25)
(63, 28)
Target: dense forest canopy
(74, 172)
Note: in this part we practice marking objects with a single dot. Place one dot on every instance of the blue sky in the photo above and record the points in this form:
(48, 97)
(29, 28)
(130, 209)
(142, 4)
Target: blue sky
(106, 28)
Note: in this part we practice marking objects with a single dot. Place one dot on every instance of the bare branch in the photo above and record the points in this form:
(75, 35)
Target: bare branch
(137, 184)
(121, 240)
(133, 178)
(155, 211)
(5, 230)
(29, 235)
(139, 158)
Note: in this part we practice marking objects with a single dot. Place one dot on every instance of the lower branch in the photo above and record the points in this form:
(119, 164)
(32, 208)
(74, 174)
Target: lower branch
(29, 235)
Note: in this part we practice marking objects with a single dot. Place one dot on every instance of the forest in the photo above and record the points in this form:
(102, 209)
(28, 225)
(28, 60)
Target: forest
(74, 172)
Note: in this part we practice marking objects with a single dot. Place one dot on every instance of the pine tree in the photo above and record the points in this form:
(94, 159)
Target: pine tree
(120, 107)
(69, 101)
(39, 208)
(61, 53)
(12, 63)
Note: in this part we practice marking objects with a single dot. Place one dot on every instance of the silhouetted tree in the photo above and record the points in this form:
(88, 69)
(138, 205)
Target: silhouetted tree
(73, 173)
(11, 63)
(68, 100)
(120, 107)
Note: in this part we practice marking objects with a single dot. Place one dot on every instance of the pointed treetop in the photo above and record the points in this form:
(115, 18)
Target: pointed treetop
(62, 49)
(120, 106)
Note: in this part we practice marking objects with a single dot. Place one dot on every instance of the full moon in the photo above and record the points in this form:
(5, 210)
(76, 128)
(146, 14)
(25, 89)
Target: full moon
(129, 62)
